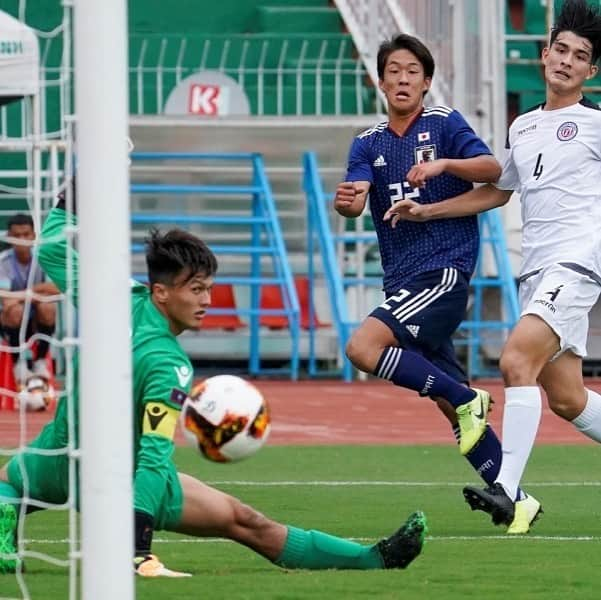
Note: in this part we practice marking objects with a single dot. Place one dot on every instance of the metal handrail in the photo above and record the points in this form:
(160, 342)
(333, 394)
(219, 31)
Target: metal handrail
(266, 239)
(338, 282)
(318, 224)
(264, 64)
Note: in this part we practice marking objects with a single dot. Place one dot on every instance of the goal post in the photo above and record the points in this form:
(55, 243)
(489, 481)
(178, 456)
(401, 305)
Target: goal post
(101, 115)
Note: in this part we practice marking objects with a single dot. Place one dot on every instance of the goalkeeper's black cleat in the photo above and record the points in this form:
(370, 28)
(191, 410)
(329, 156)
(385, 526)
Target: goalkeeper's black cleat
(492, 500)
(8, 538)
(405, 545)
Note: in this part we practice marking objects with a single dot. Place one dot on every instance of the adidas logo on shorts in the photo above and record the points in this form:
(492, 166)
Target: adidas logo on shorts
(413, 329)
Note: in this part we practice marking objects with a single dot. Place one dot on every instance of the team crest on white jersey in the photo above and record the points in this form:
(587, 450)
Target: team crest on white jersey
(567, 131)
(425, 154)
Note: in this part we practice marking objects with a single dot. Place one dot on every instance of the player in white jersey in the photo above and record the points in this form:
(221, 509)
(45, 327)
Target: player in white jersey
(554, 162)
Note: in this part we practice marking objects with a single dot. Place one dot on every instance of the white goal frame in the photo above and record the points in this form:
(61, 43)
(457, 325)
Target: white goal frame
(101, 111)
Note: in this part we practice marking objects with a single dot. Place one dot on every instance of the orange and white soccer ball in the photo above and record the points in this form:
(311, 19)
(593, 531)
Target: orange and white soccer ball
(226, 418)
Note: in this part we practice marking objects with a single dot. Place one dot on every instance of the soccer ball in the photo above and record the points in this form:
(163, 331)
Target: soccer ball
(37, 394)
(226, 418)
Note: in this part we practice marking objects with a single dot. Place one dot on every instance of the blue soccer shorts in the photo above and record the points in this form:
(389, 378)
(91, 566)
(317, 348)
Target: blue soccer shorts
(425, 313)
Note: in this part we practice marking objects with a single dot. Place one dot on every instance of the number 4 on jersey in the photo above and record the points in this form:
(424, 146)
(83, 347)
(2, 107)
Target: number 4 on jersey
(538, 168)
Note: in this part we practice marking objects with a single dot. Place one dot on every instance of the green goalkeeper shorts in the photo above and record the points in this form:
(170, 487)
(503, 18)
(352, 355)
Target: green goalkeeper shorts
(46, 478)
(169, 512)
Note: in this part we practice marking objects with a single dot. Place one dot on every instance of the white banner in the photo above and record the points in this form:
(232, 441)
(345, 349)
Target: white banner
(19, 58)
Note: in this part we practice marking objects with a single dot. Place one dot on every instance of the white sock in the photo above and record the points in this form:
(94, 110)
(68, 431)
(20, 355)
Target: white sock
(589, 420)
(521, 418)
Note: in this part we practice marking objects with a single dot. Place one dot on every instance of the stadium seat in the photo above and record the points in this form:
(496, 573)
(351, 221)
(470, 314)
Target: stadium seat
(222, 296)
(524, 77)
(7, 381)
(514, 16)
(271, 298)
(535, 17)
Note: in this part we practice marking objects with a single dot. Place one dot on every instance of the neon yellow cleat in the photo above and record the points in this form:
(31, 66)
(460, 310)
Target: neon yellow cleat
(471, 418)
(8, 538)
(527, 512)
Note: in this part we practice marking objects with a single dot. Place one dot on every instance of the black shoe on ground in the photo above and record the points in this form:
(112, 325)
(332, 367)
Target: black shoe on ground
(402, 547)
(492, 500)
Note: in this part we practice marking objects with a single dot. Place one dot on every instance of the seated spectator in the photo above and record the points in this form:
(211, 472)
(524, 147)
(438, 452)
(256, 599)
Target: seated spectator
(15, 276)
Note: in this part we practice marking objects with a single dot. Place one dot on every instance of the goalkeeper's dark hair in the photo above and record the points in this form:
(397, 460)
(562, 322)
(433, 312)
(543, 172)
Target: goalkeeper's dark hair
(405, 42)
(583, 19)
(170, 254)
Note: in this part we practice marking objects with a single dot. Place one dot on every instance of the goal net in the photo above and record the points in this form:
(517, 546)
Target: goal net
(79, 516)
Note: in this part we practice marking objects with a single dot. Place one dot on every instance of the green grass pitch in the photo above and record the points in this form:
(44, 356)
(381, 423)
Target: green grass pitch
(364, 492)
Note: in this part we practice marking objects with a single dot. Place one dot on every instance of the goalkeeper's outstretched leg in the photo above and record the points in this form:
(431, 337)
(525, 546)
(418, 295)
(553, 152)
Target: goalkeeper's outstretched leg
(208, 512)
(181, 270)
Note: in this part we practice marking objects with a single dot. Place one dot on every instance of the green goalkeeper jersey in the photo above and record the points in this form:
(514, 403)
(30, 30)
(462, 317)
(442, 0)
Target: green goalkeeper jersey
(162, 373)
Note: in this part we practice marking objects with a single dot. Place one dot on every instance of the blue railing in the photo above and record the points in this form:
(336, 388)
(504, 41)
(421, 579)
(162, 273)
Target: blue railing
(492, 235)
(266, 239)
(318, 229)
(338, 282)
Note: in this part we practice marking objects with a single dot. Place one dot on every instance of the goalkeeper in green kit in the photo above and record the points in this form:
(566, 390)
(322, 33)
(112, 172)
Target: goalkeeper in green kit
(180, 271)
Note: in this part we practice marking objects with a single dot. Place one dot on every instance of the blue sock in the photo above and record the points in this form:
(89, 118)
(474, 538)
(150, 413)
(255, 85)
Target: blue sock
(411, 370)
(486, 457)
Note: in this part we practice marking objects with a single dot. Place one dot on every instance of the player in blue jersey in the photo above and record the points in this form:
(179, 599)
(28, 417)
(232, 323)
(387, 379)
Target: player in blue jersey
(426, 154)
(553, 160)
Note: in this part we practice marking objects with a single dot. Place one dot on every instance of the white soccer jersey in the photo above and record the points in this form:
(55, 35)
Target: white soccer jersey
(554, 162)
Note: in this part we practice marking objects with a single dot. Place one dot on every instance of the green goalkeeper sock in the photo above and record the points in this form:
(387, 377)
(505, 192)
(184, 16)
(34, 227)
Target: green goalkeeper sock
(317, 550)
(8, 493)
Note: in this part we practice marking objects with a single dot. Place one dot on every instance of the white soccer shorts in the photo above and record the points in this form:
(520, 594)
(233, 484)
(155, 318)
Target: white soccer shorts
(563, 298)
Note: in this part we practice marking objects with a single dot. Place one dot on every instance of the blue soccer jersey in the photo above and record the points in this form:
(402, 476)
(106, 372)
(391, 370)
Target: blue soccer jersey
(383, 158)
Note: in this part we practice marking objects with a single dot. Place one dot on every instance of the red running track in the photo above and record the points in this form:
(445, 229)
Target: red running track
(331, 412)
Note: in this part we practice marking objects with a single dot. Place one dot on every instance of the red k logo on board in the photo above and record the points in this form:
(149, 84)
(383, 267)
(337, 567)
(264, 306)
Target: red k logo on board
(204, 99)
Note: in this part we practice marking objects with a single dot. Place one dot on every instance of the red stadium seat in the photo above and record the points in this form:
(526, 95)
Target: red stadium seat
(271, 298)
(7, 381)
(222, 296)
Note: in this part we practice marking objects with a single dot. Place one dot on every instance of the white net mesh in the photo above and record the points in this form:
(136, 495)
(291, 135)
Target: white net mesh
(32, 151)
(21, 422)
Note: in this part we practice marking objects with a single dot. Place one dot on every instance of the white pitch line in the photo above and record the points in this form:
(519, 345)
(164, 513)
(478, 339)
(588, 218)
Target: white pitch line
(395, 483)
(432, 538)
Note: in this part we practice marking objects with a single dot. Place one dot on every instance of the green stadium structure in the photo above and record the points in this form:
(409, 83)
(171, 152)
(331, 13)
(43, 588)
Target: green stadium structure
(528, 21)
(290, 56)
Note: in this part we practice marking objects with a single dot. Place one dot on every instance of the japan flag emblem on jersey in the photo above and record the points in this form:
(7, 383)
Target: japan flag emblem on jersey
(567, 131)
(423, 136)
